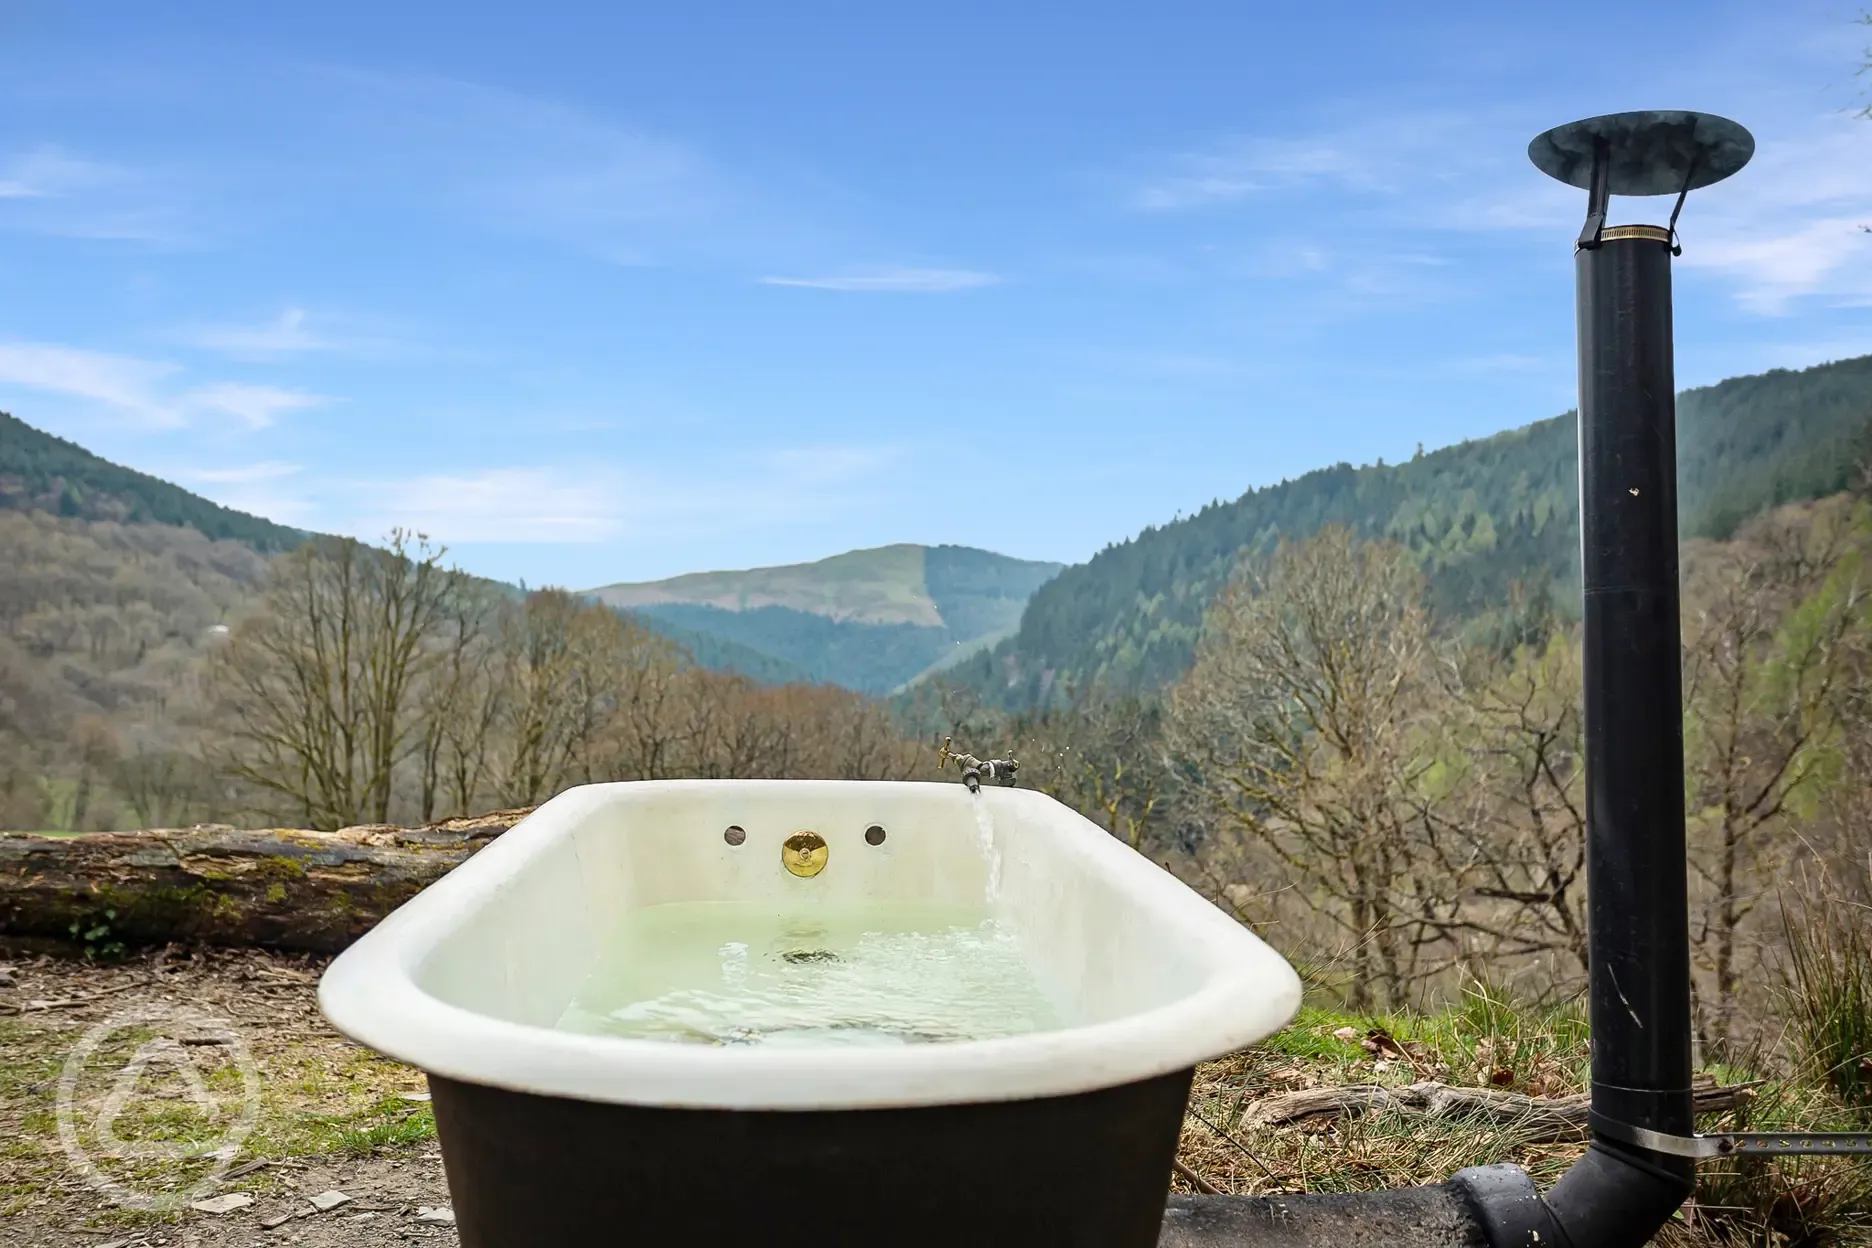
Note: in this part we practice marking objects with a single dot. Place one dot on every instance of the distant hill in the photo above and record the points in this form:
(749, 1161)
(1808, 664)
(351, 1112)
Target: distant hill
(855, 612)
(1479, 516)
(870, 620)
(40, 472)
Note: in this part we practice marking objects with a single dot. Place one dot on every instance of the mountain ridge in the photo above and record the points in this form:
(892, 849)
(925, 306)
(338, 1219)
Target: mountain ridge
(1479, 516)
(42, 471)
(873, 619)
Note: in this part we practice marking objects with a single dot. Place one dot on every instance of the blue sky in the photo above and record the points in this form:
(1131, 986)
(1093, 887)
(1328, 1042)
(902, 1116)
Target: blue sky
(599, 292)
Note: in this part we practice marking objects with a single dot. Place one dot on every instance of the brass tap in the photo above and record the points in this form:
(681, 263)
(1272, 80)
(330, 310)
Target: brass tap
(999, 770)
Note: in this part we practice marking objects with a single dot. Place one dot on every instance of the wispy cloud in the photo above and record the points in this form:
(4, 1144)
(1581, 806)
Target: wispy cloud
(1362, 158)
(499, 505)
(47, 173)
(1788, 227)
(579, 504)
(241, 474)
(142, 389)
(1825, 256)
(254, 406)
(46, 190)
(536, 166)
(120, 381)
(916, 281)
(286, 334)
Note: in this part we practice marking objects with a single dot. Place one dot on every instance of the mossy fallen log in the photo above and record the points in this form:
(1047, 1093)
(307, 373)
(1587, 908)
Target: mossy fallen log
(278, 888)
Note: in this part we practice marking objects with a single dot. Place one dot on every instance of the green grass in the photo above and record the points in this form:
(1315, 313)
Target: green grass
(318, 1098)
(1829, 946)
(1526, 1049)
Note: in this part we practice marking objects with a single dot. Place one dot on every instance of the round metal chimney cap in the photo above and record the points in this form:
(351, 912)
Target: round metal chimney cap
(1650, 151)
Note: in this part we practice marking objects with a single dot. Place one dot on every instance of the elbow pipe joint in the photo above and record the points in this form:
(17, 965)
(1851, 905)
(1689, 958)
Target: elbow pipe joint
(1612, 1198)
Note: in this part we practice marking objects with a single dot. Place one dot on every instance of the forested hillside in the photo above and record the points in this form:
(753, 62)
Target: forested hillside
(1478, 517)
(104, 629)
(871, 658)
(44, 473)
(720, 654)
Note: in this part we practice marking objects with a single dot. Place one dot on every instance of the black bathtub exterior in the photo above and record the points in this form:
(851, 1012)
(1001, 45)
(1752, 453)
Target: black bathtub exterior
(1088, 1170)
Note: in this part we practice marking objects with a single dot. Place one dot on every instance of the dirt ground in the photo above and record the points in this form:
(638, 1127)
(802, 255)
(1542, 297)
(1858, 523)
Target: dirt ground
(329, 1116)
(320, 1114)
(208, 1077)
(385, 1196)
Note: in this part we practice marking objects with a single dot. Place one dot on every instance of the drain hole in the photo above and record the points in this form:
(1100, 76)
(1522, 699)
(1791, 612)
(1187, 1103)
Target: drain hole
(734, 835)
(810, 955)
(874, 835)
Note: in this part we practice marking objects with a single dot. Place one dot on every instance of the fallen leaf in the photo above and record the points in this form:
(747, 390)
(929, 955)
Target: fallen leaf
(1378, 1040)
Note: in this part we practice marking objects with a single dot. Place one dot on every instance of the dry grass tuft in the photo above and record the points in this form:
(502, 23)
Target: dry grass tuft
(1488, 1042)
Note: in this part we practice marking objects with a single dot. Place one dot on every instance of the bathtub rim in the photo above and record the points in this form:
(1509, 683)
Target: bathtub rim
(370, 993)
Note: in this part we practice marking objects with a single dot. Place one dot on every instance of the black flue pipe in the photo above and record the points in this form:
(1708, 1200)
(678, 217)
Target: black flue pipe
(1618, 1194)
(1639, 908)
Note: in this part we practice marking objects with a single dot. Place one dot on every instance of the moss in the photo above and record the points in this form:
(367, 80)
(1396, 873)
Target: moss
(166, 912)
(280, 868)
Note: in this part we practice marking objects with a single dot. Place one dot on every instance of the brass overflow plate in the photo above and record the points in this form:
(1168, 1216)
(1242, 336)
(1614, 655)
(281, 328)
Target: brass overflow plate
(804, 854)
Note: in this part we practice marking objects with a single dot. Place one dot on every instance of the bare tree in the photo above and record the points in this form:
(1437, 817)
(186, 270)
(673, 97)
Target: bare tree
(567, 670)
(98, 752)
(164, 788)
(1303, 719)
(1512, 823)
(1104, 755)
(459, 707)
(318, 693)
(1774, 626)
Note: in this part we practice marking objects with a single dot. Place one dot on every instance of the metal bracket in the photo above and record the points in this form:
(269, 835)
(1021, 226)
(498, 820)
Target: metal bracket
(1598, 195)
(1689, 173)
(1740, 1143)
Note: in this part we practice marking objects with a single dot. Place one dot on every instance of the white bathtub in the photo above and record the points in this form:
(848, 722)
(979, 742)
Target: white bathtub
(466, 980)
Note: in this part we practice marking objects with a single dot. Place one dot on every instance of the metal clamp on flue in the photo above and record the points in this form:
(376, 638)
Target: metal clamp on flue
(1739, 1143)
